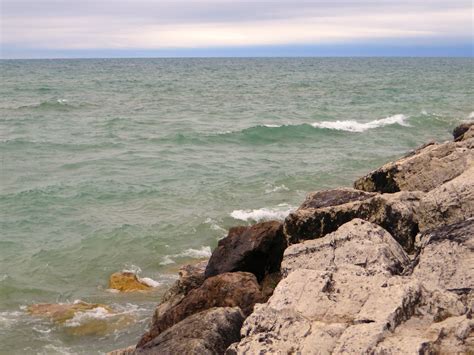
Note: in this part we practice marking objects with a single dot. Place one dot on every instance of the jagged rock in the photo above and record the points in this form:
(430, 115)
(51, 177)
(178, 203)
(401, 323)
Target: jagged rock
(449, 203)
(127, 282)
(446, 258)
(237, 289)
(207, 332)
(359, 243)
(318, 216)
(124, 351)
(191, 276)
(257, 249)
(422, 170)
(459, 133)
(341, 297)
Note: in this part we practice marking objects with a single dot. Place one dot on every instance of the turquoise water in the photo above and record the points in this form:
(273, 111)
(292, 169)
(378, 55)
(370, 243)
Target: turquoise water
(144, 163)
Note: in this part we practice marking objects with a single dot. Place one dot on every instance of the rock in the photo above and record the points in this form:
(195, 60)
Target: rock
(446, 259)
(124, 351)
(358, 243)
(191, 276)
(61, 312)
(207, 332)
(460, 131)
(343, 294)
(394, 212)
(269, 283)
(423, 170)
(237, 289)
(449, 203)
(257, 249)
(127, 282)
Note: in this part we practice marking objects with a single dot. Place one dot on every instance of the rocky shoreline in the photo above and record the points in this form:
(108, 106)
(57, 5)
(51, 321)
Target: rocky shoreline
(384, 267)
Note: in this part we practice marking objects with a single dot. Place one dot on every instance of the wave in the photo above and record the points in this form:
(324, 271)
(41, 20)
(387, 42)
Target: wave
(471, 115)
(56, 104)
(201, 253)
(263, 214)
(354, 126)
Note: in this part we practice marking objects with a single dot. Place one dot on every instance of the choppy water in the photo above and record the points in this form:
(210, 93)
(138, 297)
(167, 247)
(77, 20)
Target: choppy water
(117, 164)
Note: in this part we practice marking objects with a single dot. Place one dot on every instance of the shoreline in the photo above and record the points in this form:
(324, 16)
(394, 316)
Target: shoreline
(386, 230)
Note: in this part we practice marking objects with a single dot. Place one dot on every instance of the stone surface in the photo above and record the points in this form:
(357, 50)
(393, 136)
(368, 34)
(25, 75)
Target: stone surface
(257, 249)
(423, 170)
(449, 203)
(446, 257)
(344, 298)
(61, 312)
(127, 282)
(207, 332)
(394, 212)
(237, 289)
(460, 131)
(191, 276)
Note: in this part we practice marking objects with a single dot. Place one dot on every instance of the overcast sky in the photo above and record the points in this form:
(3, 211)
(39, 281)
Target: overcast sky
(97, 28)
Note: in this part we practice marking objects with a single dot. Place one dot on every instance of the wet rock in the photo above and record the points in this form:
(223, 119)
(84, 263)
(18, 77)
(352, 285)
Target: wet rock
(446, 259)
(207, 332)
(127, 282)
(257, 249)
(124, 351)
(423, 170)
(61, 312)
(394, 212)
(341, 297)
(459, 133)
(449, 203)
(237, 289)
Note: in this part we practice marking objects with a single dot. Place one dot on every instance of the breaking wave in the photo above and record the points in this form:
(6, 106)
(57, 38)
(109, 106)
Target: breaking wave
(263, 214)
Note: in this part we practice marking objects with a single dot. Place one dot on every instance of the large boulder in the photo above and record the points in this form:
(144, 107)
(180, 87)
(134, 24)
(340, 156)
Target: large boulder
(449, 203)
(207, 332)
(446, 257)
(257, 249)
(321, 214)
(191, 276)
(341, 297)
(237, 289)
(463, 131)
(423, 170)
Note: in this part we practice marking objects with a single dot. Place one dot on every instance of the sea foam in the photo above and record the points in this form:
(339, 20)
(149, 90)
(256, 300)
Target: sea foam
(263, 214)
(354, 126)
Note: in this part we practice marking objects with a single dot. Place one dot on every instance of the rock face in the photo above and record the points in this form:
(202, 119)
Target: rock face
(127, 282)
(207, 332)
(191, 276)
(257, 249)
(238, 289)
(423, 170)
(449, 203)
(344, 293)
(446, 257)
(318, 217)
(459, 133)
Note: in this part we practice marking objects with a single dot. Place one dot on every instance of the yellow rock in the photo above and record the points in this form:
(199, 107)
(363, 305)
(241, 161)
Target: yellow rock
(61, 312)
(127, 282)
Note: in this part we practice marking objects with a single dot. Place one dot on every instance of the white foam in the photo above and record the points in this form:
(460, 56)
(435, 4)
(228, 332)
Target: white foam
(81, 317)
(167, 260)
(471, 115)
(134, 269)
(271, 125)
(273, 188)
(263, 214)
(354, 126)
(203, 252)
(149, 282)
(213, 225)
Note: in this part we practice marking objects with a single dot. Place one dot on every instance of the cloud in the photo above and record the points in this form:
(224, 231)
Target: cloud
(147, 24)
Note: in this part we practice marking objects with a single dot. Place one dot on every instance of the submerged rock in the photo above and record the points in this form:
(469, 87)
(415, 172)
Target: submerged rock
(61, 312)
(127, 282)
(422, 170)
(207, 332)
(257, 249)
(343, 294)
(317, 217)
(449, 203)
(237, 289)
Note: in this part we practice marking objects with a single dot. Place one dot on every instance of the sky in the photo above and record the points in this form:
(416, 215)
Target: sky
(200, 28)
